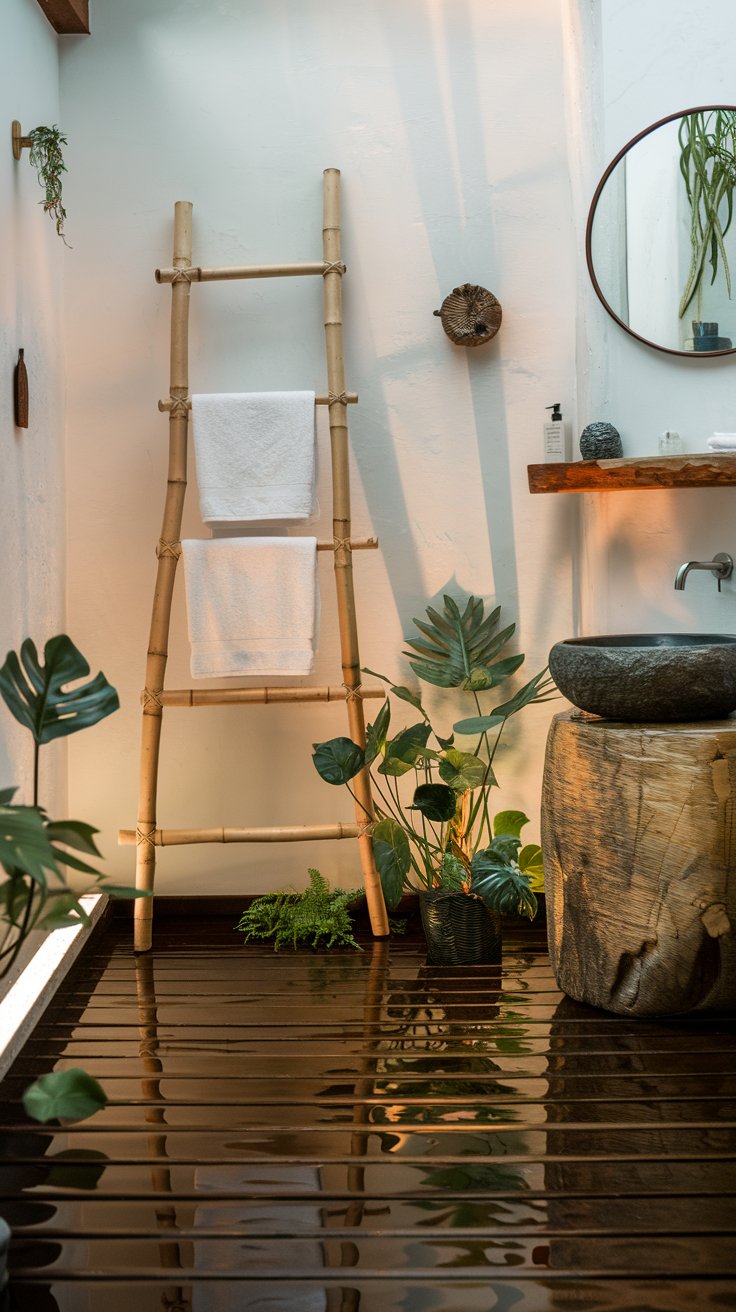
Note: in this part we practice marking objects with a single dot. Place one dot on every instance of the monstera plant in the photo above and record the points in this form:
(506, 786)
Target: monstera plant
(442, 834)
(36, 851)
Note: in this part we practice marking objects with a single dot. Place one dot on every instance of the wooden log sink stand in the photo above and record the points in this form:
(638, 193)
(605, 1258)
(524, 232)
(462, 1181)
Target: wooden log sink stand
(639, 842)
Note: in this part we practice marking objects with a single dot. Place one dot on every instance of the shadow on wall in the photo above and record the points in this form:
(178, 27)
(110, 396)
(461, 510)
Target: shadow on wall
(447, 171)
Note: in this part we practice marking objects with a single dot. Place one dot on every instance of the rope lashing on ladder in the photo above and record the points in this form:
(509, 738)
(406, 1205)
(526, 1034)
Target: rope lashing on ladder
(343, 543)
(182, 275)
(164, 548)
(334, 266)
(353, 694)
(337, 398)
(145, 836)
(150, 698)
(179, 406)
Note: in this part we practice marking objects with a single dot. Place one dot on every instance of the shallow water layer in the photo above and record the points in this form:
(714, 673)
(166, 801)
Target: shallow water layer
(364, 1131)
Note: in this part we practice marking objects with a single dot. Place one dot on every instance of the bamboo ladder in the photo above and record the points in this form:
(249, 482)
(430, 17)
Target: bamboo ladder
(147, 837)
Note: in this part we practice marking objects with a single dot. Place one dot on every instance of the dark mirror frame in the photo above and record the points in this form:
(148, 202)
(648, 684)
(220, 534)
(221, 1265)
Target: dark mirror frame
(656, 346)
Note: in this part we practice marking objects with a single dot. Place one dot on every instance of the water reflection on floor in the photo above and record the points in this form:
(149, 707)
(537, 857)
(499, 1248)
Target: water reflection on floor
(342, 1131)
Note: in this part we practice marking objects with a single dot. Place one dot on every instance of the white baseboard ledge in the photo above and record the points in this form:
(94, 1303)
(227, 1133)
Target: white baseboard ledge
(34, 981)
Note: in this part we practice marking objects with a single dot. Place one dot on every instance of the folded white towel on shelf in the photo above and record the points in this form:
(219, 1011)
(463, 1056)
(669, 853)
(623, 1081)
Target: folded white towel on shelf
(252, 605)
(721, 442)
(255, 455)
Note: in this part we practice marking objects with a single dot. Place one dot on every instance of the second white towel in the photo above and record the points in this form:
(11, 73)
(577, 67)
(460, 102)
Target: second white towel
(252, 605)
(255, 455)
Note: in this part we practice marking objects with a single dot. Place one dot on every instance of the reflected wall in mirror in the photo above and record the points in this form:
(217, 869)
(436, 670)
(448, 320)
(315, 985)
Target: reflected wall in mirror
(661, 235)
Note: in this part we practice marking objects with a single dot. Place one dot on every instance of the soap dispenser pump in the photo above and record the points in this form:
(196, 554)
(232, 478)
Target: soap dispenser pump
(556, 437)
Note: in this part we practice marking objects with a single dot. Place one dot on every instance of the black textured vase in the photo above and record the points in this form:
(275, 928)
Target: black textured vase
(459, 928)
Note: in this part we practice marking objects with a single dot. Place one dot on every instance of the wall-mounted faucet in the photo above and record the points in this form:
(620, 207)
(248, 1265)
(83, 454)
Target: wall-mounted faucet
(721, 566)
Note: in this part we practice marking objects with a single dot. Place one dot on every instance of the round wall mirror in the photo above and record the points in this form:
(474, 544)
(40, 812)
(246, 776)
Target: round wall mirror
(661, 234)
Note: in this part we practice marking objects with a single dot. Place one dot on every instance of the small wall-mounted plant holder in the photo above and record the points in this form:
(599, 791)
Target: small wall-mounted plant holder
(44, 145)
(20, 143)
(470, 315)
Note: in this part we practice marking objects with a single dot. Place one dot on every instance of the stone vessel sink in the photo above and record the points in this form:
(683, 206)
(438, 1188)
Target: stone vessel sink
(649, 676)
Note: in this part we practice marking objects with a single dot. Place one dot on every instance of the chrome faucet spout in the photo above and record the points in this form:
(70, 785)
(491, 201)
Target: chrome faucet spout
(721, 567)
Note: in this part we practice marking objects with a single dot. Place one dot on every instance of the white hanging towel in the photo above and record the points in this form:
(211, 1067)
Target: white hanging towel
(255, 455)
(252, 605)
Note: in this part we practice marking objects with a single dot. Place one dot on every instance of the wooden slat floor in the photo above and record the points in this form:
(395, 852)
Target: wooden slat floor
(341, 1131)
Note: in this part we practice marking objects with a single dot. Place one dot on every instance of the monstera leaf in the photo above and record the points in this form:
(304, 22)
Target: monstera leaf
(456, 649)
(37, 695)
(501, 884)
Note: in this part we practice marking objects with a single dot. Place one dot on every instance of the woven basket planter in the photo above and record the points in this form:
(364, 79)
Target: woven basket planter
(459, 928)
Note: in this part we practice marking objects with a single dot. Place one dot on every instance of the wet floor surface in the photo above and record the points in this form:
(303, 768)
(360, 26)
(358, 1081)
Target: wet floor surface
(342, 1131)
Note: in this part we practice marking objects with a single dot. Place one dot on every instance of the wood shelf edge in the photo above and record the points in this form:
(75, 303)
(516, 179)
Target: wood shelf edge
(67, 16)
(628, 474)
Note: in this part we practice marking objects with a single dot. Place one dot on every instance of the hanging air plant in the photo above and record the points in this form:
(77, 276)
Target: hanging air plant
(708, 167)
(48, 161)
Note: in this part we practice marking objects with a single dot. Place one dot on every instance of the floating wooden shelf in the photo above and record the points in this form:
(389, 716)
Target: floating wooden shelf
(627, 475)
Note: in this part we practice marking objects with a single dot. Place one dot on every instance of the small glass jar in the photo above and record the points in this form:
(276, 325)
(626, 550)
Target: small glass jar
(670, 443)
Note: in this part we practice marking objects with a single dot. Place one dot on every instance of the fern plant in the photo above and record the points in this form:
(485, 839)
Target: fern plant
(318, 917)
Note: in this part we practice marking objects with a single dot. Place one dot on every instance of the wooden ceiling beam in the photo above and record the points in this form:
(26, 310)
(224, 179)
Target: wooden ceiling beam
(67, 16)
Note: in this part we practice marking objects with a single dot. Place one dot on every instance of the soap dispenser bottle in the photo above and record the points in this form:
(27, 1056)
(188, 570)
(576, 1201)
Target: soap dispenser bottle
(556, 437)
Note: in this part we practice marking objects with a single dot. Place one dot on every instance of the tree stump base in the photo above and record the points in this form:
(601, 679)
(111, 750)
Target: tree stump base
(639, 843)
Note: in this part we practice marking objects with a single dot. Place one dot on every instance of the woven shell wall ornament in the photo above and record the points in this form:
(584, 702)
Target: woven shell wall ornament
(470, 315)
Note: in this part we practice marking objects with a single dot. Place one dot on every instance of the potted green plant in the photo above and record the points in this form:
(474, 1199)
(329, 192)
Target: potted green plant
(707, 141)
(34, 848)
(441, 840)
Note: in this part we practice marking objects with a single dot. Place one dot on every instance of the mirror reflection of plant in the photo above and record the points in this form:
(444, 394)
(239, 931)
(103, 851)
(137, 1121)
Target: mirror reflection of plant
(446, 837)
(47, 159)
(708, 167)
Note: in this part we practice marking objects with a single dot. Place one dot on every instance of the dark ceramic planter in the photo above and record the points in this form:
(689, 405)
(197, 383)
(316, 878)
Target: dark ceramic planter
(460, 930)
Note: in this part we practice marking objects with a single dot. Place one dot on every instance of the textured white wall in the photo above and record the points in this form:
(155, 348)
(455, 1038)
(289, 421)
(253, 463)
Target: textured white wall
(656, 59)
(32, 459)
(447, 120)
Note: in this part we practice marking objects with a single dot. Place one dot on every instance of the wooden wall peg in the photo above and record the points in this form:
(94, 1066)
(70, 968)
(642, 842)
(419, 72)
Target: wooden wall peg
(20, 392)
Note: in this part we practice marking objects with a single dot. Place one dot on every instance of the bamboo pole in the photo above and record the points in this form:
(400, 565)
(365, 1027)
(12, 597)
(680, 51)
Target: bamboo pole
(167, 561)
(331, 249)
(245, 271)
(258, 696)
(269, 834)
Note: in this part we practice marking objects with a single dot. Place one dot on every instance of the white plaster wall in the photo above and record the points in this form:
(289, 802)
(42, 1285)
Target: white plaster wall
(655, 58)
(31, 460)
(447, 120)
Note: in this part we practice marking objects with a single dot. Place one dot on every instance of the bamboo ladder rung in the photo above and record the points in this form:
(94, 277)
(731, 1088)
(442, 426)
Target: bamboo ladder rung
(268, 834)
(257, 696)
(350, 398)
(197, 274)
